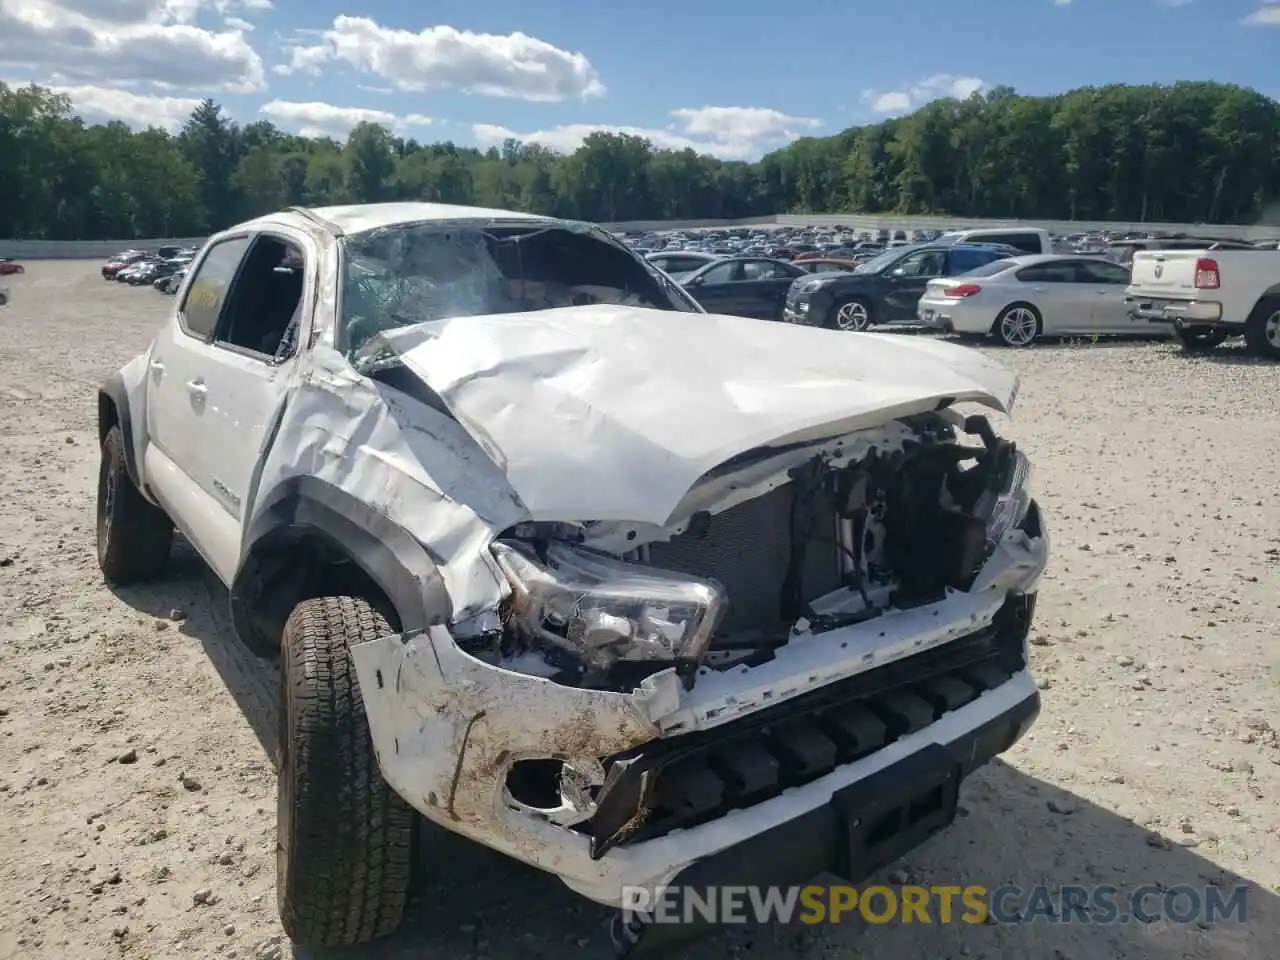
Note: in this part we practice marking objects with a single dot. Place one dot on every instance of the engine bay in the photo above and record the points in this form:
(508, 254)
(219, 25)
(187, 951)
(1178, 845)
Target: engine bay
(834, 541)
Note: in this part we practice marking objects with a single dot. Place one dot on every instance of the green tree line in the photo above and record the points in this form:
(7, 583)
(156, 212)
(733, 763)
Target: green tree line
(1191, 152)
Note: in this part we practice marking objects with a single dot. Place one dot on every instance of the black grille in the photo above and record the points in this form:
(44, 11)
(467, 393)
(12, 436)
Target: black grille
(747, 549)
(684, 781)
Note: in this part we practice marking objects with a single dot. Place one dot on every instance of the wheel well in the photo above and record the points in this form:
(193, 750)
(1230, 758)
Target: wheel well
(288, 566)
(995, 324)
(108, 415)
(1270, 300)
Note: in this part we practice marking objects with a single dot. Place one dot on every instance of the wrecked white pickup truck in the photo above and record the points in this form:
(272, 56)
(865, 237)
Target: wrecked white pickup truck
(632, 593)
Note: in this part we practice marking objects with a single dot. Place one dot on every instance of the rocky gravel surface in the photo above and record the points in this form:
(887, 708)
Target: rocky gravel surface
(137, 790)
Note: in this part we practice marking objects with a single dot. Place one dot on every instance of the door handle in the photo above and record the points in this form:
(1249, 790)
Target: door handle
(196, 388)
(157, 367)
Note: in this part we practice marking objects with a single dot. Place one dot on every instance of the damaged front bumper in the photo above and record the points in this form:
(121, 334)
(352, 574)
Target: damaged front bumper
(661, 779)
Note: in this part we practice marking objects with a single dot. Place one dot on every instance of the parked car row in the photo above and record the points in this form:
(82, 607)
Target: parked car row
(1004, 283)
(777, 242)
(831, 242)
(162, 269)
(951, 285)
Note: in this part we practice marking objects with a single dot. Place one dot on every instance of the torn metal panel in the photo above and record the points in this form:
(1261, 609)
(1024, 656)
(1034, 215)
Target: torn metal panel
(407, 461)
(638, 404)
(448, 727)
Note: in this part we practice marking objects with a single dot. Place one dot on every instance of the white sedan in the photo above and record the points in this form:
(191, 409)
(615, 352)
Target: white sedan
(1022, 299)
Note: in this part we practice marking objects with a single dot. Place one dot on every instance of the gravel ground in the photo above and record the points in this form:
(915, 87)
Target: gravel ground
(137, 792)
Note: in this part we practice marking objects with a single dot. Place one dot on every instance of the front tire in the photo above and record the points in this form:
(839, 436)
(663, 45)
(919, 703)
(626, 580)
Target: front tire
(1199, 339)
(1262, 329)
(852, 315)
(134, 535)
(1019, 325)
(345, 845)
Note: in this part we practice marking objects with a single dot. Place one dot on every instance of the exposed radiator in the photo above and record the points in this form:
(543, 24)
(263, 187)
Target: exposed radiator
(747, 549)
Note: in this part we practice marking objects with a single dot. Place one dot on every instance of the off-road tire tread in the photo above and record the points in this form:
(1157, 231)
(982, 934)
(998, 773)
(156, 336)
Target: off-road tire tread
(141, 534)
(350, 855)
(1255, 336)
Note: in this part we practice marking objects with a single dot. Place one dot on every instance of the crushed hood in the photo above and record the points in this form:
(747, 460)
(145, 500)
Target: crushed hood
(613, 413)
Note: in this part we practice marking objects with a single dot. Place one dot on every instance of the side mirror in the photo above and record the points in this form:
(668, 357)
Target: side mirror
(694, 282)
(898, 272)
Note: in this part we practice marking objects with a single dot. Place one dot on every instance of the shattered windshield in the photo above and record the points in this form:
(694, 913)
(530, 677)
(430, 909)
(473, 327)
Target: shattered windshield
(415, 273)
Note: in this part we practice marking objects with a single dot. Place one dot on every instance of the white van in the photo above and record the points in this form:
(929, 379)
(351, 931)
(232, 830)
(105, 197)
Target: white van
(1030, 239)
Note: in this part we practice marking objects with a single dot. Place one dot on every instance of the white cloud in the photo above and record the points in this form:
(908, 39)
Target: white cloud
(120, 11)
(230, 6)
(304, 60)
(917, 95)
(896, 101)
(126, 42)
(1062, 3)
(731, 133)
(316, 119)
(1267, 15)
(515, 65)
(100, 104)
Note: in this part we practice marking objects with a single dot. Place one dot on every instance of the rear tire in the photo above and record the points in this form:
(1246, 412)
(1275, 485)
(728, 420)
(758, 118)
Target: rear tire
(1262, 329)
(1018, 325)
(345, 839)
(134, 535)
(1199, 339)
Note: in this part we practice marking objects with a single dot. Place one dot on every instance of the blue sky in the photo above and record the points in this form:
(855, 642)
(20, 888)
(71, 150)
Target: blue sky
(734, 79)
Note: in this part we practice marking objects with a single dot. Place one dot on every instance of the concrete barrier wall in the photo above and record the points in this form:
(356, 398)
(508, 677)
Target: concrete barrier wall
(646, 226)
(101, 249)
(84, 249)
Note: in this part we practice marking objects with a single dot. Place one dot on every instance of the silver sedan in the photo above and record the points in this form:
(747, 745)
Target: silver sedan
(1024, 298)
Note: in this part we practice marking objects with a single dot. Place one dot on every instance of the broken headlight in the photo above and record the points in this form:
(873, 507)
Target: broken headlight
(607, 612)
(1004, 504)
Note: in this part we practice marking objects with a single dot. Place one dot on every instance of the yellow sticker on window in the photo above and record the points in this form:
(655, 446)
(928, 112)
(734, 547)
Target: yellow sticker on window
(204, 295)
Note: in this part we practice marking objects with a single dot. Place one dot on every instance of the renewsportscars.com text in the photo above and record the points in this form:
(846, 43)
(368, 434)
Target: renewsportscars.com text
(942, 904)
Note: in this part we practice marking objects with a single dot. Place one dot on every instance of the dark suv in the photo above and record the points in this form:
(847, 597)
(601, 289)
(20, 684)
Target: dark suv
(886, 288)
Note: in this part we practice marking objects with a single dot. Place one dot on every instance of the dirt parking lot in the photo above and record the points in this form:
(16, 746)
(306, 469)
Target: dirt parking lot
(137, 792)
